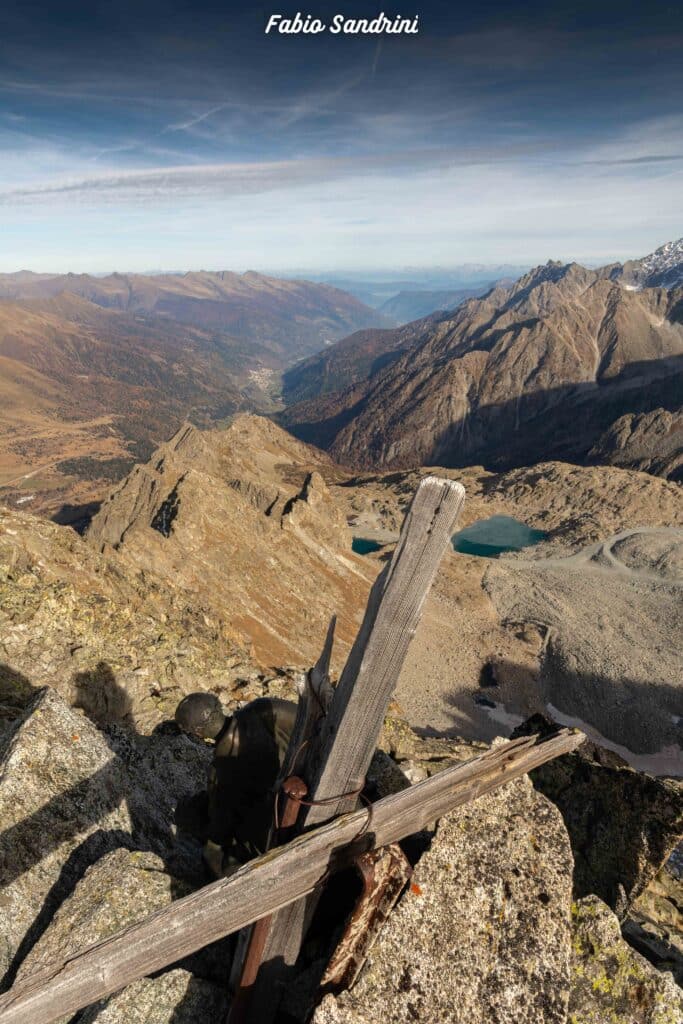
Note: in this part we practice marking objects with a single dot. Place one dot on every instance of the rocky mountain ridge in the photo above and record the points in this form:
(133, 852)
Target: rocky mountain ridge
(252, 307)
(221, 512)
(535, 371)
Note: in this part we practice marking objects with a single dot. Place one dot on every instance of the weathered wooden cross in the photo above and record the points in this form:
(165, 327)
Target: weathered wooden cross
(335, 736)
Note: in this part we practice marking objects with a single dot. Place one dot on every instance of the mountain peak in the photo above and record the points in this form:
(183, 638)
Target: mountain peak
(662, 268)
(669, 252)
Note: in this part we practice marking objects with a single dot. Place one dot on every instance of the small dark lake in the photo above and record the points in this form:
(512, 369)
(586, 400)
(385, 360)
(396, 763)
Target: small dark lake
(489, 538)
(364, 546)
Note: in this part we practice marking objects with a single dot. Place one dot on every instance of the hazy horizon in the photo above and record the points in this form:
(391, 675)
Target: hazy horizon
(359, 273)
(174, 134)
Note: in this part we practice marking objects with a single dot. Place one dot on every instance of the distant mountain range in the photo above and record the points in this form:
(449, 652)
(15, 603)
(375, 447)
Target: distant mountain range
(411, 305)
(379, 288)
(96, 371)
(535, 371)
(289, 319)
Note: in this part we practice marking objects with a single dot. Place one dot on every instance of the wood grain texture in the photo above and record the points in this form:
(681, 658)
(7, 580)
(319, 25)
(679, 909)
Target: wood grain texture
(340, 754)
(352, 726)
(265, 885)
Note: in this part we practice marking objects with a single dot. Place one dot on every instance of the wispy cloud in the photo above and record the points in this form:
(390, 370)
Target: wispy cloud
(649, 158)
(183, 126)
(227, 179)
(320, 100)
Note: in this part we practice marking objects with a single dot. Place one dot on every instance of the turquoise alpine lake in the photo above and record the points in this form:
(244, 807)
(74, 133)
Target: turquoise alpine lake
(489, 538)
(364, 546)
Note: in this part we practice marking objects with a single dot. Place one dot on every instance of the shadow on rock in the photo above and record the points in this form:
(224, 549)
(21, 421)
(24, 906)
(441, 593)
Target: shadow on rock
(76, 786)
(99, 695)
(622, 824)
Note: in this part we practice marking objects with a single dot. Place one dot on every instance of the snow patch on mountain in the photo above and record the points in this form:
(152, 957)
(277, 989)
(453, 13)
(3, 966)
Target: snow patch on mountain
(662, 268)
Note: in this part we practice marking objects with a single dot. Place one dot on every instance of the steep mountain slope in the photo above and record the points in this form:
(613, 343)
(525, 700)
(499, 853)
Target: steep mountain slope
(87, 390)
(652, 442)
(97, 371)
(532, 372)
(290, 319)
(364, 353)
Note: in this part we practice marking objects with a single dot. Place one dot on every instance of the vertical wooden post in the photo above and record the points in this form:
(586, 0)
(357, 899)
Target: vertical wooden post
(315, 695)
(339, 756)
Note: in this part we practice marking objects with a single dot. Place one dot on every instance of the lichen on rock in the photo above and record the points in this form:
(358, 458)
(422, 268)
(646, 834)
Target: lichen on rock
(611, 983)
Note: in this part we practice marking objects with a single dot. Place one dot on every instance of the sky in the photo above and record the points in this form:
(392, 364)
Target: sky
(174, 136)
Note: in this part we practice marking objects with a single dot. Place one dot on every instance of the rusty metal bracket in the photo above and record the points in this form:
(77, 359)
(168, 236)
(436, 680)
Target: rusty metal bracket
(384, 874)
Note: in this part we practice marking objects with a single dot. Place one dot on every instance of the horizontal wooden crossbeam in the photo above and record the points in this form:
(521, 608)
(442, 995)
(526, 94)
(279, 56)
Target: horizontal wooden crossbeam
(265, 885)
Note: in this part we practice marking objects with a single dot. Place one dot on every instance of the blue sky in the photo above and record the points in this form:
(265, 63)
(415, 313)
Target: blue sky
(180, 136)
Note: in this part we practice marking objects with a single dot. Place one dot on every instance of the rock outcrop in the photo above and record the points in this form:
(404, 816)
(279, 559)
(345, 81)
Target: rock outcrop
(462, 943)
(176, 997)
(485, 931)
(118, 642)
(623, 824)
(483, 934)
(611, 984)
(122, 888)
(651, 442)
(70, 794)
(241, 520)
(655, 923)
(63, 798)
